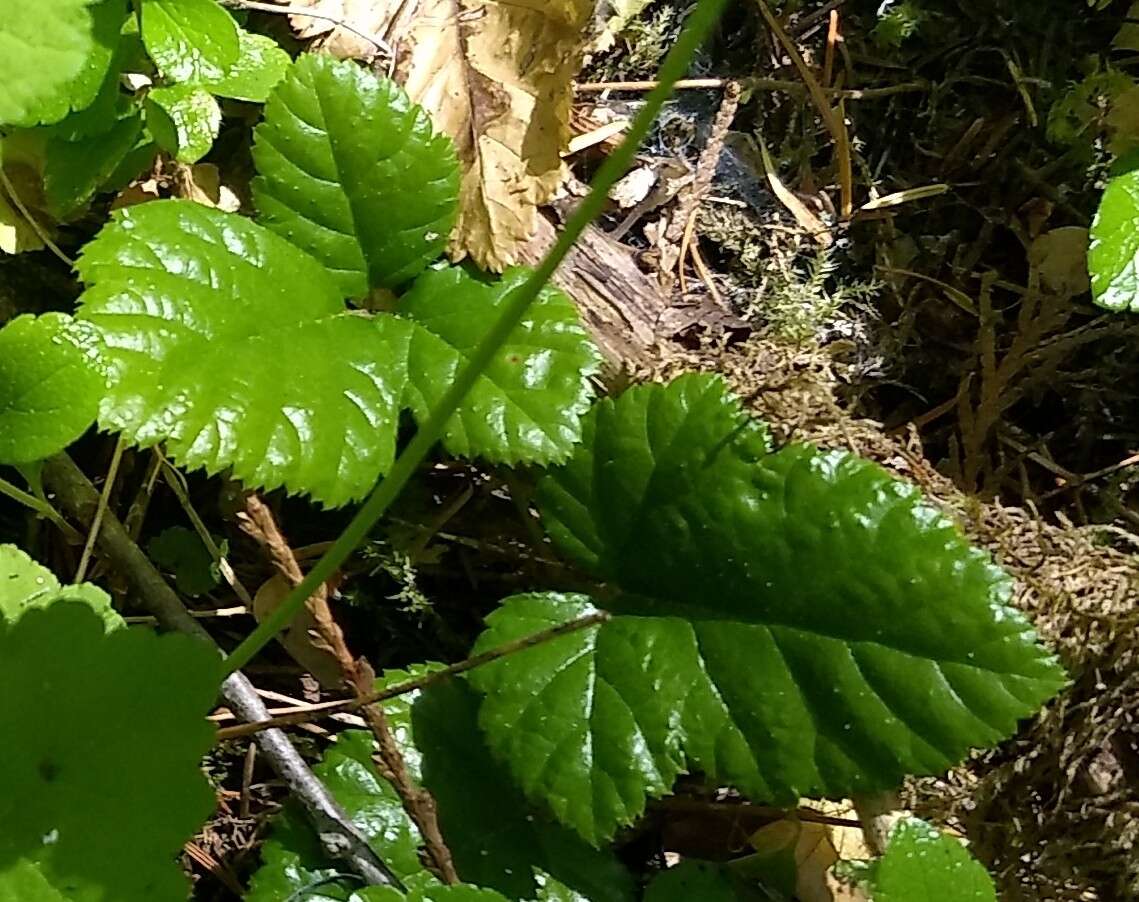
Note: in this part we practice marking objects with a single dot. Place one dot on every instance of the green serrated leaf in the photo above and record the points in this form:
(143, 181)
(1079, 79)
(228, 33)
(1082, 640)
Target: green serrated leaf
(182, 551)
(351, 171)
(51, 381)
(44, 48)
(260, 66)
(184, 120)
(74, 170)
(922, 864)
(208, 319)
(292, 857)
(525, 849)
(527, 406)
(692, 880)
(1113, 257)
(190, 40)
(104, 786)
(797, 623)
(24, 585)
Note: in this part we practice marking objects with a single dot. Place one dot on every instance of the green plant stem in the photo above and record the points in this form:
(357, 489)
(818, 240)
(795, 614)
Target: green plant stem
(699, 24)
(40, 507)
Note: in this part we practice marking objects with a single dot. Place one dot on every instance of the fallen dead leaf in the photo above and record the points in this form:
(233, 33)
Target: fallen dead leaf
(202, 184)
(1061, 257)
(365, 22)
(301, 639)
(497, 79)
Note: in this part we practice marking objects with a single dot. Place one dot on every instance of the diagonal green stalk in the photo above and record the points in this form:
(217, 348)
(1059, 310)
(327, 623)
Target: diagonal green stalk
(675, 65)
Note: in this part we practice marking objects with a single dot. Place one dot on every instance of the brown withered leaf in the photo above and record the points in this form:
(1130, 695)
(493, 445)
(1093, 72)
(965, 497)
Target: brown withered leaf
(497, 78)
(379, 20)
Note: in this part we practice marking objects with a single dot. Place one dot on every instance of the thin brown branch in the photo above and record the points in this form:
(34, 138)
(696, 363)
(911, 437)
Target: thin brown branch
(258, 522)
(339, 839)
(326, 709)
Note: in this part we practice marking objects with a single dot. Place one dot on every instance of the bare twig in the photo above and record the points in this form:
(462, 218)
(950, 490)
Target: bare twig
(337, 836)
(756, 84)
(259, 523)
(43, 236)
(326, 709)
(41, 508)
(831, 119)
(100, 511)
(177, 485)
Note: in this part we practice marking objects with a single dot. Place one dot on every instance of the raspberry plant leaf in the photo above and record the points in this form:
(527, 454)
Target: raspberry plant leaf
(24, 584)
(795, 623)
(184, 120)
(922, 864)
(189, 40)
(351, 171)
(104, 786)
(527, 405)
(522, 852)
(260, 65)
(195, 307)
(51, 382)
(1113, 257)
(44, 48)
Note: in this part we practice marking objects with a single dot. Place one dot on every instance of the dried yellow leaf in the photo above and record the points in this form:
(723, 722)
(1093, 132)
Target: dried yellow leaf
(497, 78)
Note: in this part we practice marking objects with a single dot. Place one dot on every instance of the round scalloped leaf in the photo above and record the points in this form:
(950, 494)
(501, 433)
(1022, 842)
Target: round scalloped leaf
(528, 404)
(44, 49)
(51, 382)
(104, 785)
(260, 66)
(189, 40)
(234, 348)
(352, 171)
(1113, 257)
(922, 864)
(184, 120)
(24, 584)
(796, 623)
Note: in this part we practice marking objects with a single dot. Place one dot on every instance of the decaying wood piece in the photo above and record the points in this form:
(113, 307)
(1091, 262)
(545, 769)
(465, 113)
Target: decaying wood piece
(621, 306)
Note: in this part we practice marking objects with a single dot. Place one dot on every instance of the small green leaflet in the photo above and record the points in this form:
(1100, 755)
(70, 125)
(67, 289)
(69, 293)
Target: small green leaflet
(184, 120)
(428, 890)
(51, 382)
(1113, 257)
(922, 864)
(44, 48)
(139, 703)
(795, 623)
(207, 320)
(181, 551)
(235, 349)
(24, 584)
(352, 172)
(260, 65)
(528, 404)
(190, 40)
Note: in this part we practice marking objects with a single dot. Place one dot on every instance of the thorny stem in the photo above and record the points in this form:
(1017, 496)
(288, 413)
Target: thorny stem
(699, 24)
(327, 709)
